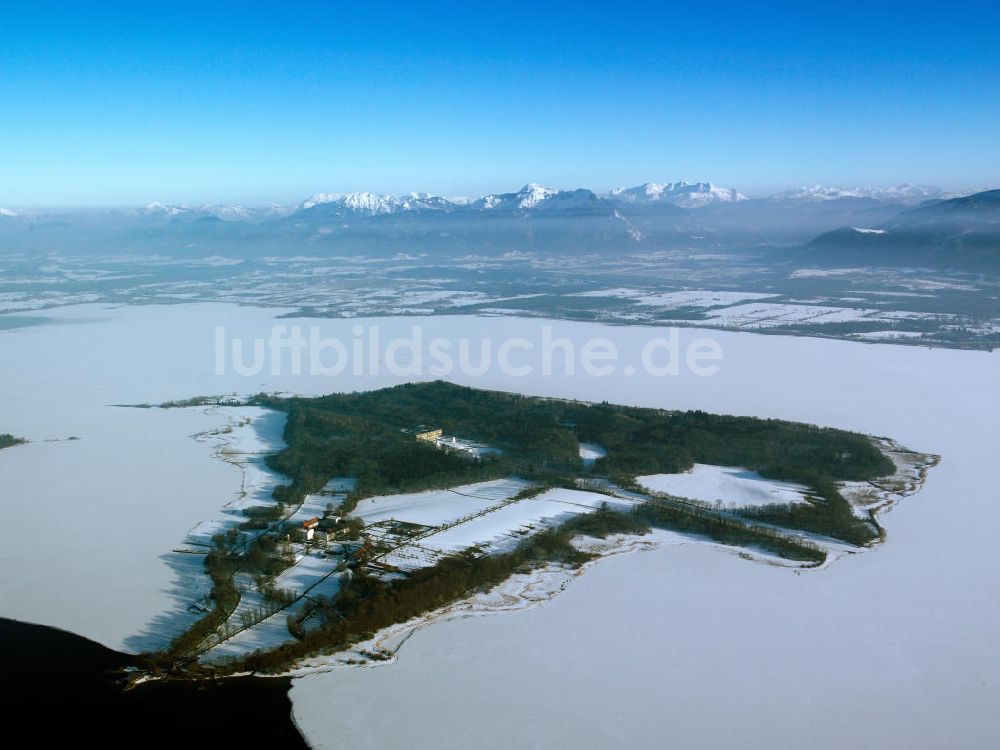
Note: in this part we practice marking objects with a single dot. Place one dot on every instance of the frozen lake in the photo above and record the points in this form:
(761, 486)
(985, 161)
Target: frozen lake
(684, 646)
(691, 647)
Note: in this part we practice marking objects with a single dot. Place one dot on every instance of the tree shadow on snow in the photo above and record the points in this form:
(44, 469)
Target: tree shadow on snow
(190, 587)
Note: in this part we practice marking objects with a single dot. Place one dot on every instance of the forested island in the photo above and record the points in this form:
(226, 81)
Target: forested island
(434, 438)
(8, 441)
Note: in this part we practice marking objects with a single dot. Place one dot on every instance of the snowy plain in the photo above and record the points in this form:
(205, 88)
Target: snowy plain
(896, 646)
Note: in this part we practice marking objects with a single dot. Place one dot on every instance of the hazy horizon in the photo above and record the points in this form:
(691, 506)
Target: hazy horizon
(295, 200)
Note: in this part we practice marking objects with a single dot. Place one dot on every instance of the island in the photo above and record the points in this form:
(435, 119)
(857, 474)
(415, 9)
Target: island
(404, 501)
(8, 441)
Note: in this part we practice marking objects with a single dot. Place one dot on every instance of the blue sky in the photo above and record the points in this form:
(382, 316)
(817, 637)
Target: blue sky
(126, 104)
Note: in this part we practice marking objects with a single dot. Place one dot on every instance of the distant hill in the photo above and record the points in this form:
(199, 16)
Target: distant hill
(908, 195)
(836, 225)
(960, 233)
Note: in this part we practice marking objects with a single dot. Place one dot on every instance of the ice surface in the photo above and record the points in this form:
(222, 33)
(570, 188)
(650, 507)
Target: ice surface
(902, 641)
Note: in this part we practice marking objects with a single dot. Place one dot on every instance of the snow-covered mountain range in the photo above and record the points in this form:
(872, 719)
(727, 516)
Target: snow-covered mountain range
(828, 223)
(685, 194)
(534, 198)
(904, 194)
(529, 198)
(219, 211)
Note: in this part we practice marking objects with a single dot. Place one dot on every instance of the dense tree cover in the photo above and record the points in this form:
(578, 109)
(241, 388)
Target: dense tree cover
(364, 435)
(605, 521)
(827, 513)
(6, 440)
(324, 443)
(646, 441)
(545, 433)
(260, 517)
(727, 530)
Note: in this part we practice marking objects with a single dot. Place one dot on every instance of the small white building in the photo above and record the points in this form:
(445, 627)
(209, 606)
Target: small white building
(310, 528)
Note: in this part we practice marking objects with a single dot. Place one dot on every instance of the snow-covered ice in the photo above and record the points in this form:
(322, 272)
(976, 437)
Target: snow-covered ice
(902, 641)
(249, 435)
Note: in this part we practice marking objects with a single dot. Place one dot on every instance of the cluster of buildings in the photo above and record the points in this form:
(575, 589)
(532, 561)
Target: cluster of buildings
(436, 437)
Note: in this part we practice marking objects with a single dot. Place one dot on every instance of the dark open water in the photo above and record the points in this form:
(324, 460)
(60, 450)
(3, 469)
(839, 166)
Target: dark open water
(60, 687)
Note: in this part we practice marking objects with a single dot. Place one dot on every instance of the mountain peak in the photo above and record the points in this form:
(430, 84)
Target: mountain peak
(170, 209)
(532, 194)
(319, 199)
(685, 194)
(362, 202)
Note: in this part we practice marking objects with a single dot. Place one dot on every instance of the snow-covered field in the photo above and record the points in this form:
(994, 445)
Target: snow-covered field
(501, 529)
(311, 572)
(315, 506)
(763, 315)
(674, 300)
(887, 335)
(590, 452)
(482, 515)
(314, 572)
(729, 486)
(895, 648)
(269, 633)
(439, 507)
(759, 311)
